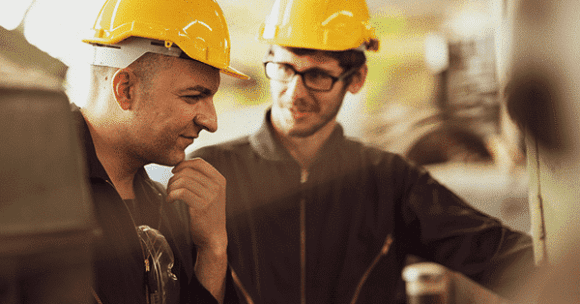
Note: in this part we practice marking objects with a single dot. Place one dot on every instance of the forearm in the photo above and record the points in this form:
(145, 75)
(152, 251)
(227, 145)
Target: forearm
(210, 269)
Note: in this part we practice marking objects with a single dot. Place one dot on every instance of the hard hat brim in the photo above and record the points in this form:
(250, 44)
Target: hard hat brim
(235, 73)
(122, 54)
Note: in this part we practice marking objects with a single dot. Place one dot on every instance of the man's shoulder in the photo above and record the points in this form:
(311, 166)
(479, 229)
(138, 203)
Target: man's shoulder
(371, 152)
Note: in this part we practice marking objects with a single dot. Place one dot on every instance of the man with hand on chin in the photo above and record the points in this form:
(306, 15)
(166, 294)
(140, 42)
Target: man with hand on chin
(155, 71)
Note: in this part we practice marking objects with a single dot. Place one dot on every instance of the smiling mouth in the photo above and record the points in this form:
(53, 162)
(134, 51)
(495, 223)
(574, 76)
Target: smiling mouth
(188, 138)
(300, 113)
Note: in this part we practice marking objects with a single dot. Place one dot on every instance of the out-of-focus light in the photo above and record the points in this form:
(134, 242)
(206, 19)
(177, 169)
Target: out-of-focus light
(436, 53)
(470, 24)
(12, 12)
(58, 27)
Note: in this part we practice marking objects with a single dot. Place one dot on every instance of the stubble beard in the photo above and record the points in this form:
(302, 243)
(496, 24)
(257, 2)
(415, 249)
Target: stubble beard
(323, 121)
(313, 129)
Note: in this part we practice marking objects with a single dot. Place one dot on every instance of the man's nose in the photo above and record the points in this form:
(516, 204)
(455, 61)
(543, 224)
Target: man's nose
(296, 88)
(207, 116)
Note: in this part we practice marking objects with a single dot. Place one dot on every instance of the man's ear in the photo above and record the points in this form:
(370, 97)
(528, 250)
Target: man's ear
(358, 79)
(124, 87)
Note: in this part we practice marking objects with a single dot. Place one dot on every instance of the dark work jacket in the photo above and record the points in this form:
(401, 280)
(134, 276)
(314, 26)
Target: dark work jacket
(340, 232)
(119, 268)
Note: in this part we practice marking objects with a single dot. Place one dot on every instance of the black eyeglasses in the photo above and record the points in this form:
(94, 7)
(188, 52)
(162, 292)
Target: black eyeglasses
(314, 79)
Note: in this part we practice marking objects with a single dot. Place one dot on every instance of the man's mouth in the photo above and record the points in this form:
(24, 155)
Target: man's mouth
(190, 139)
(300, 113)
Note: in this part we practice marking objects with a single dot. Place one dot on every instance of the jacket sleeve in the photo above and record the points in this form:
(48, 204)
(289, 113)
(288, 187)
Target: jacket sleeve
(201, 295)
(442, 228)
(198, 293)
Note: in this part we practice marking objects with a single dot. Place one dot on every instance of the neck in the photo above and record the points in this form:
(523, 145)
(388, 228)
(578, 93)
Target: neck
(120, 167)
(305, 149)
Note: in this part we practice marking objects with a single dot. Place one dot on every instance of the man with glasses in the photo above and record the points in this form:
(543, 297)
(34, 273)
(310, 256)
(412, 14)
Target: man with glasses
(315, 217)
(155, 70)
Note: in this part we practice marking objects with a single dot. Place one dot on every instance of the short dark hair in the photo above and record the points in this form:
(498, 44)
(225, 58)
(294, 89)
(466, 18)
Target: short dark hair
(347, 59)
(147, 66)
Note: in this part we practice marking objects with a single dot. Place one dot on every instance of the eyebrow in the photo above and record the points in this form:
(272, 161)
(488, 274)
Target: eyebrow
(317, 69)
(203, 90)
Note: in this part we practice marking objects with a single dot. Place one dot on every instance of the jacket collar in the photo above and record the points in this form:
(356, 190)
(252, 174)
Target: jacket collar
(95, 168)
(265, 143)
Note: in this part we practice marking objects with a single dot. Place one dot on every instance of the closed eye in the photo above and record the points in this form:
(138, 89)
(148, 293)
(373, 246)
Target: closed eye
(192, 98)
(194, 94)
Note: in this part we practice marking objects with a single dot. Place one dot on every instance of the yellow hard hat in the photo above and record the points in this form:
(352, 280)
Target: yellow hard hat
(198, 28)
(332, 25)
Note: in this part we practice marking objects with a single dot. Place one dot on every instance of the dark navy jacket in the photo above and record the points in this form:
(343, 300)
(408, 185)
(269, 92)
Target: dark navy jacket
(340, 232)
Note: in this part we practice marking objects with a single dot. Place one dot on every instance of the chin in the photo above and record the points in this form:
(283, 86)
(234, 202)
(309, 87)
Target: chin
(303, 133)
(306, 131)
(173, 159)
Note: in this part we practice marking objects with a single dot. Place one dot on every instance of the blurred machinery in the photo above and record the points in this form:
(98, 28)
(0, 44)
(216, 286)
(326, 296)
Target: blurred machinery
(431, 283)
(468, 88)
(46, 224)
(460, 57)
(543, 98)
(539, 79)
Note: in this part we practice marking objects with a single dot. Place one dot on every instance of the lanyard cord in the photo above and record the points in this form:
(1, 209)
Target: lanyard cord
(96, 296)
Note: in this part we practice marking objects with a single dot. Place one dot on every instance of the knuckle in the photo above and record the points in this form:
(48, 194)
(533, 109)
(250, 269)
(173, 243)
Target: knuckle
(178, 193)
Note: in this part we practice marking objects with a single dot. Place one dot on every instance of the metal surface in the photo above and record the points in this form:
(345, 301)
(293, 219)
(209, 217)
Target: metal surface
(46, 224)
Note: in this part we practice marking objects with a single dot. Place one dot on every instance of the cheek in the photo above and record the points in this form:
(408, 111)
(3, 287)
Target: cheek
(333, 99)
(164, 124)
(177, 122)
(277, 89)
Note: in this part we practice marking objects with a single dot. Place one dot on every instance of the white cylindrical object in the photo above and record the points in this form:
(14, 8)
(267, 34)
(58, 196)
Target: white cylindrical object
(426, 283)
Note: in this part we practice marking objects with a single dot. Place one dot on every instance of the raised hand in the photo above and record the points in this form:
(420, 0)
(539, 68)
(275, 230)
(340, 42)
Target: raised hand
(203, 189)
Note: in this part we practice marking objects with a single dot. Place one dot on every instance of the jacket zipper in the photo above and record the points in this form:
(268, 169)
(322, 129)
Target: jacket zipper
(238, 282)
(382, 253)
(145, 256)
(303, 180)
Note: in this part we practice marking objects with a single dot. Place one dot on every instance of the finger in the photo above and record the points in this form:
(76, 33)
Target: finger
(203, 188)
(186, 163)
(192, 174)
(197, 164)
(181, 184)
(200, 185)
(191, 199)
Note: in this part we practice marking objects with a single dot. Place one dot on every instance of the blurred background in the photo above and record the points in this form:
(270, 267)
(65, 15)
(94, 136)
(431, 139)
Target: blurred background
(432, 94)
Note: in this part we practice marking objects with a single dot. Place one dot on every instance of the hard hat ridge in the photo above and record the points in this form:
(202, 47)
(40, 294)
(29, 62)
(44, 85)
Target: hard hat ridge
(331, 25)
